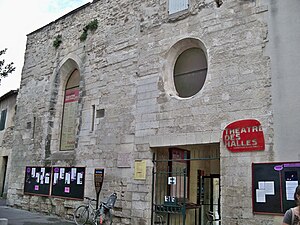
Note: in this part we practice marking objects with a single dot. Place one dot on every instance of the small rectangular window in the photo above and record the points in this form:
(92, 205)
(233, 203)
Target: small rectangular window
(100, 113)
(93, 117)
(33, 130)
(28, 125)
(3, 119)
(178, 5)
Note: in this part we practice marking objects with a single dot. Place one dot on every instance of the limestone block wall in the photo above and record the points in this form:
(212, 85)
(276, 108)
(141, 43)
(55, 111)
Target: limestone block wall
(8, 103)
(125, 70)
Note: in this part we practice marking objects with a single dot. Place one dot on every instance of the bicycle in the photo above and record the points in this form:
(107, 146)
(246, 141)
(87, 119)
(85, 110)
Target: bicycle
(82, 213)
(105, 216)
(99, 216)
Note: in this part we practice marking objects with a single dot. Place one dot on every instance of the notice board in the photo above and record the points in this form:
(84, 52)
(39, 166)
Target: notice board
(273, 186)
(68, 182)
(37, 180)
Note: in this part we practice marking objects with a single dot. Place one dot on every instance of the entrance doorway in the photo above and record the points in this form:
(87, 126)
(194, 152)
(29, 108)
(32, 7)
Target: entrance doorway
(186, 185)
(3, 174)
(209, 198)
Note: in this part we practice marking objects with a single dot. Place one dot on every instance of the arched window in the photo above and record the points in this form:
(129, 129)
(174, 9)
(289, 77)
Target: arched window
(190, 72)
(70, 111)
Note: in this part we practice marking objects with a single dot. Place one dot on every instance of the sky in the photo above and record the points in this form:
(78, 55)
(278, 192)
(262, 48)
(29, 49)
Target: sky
(19, 18)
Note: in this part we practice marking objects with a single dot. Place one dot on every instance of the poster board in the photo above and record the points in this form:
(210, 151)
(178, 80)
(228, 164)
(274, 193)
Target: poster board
(37, 180)
(68, 182)
(273, 186)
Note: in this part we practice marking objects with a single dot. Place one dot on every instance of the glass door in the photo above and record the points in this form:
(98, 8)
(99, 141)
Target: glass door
(210, 198)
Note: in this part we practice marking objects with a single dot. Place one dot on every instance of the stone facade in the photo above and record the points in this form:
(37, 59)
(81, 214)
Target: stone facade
(126, 68)
(7, 110)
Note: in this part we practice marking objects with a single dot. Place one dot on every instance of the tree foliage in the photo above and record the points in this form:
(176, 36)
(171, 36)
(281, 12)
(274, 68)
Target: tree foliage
(5, 69)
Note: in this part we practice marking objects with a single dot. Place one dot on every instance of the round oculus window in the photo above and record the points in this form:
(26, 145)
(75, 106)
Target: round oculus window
(190, 72)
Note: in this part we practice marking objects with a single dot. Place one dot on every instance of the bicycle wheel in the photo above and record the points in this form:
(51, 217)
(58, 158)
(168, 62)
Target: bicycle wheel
(81, 215)
(105, 219)
(104, 216)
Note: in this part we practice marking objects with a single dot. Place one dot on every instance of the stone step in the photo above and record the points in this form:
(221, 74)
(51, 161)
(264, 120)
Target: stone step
(3, 221)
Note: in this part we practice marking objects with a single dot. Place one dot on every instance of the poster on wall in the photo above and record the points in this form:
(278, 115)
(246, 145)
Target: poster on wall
(274, 186)
(140, 169)
(68, 182)
(244, 136)
(69, 119)
(37, 180)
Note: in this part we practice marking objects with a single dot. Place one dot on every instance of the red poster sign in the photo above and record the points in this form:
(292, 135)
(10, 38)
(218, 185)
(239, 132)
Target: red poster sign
(72, 95)
(244, 136)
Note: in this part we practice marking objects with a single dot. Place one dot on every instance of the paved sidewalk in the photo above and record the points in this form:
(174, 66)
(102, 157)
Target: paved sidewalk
(23, 217)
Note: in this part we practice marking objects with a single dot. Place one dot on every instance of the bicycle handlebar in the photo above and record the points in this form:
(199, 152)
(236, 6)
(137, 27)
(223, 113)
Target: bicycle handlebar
(90, 199)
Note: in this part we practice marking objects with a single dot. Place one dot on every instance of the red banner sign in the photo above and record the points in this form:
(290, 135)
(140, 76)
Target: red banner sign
(72, 95)
(243, 136)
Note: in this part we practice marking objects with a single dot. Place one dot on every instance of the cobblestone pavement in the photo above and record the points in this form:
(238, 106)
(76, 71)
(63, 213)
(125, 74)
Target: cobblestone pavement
(23, 217)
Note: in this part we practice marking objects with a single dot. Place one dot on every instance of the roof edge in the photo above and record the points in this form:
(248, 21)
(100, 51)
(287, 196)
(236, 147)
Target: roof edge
(8, 94)
(64, 16)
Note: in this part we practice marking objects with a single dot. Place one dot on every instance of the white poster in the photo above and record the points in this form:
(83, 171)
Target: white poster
(264, 188)
(55, 178)
(43, 171)
(79, 178)
(73, 174)
(62, 173)
(42, 179)
(47, 178)
(68, 178)
(33, 172)
(290, 189)
(268, 186)
(38, 177)
(260, 195)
